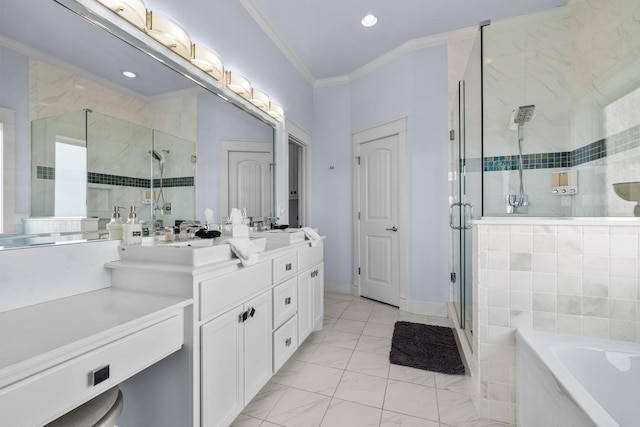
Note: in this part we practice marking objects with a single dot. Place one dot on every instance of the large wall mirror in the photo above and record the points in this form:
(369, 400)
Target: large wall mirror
(79, 137)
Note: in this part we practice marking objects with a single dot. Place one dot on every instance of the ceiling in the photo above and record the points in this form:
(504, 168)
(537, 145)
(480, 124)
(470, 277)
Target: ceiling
(324, 39)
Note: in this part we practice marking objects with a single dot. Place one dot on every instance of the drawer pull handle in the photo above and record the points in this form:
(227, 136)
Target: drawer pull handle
(243, 316)
(287, 267)
(287, 342)
(100, 375)
(252, 311)
(287, 301)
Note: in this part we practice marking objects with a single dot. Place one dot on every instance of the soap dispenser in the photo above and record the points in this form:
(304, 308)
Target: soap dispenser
(114, 227)
(132, 230)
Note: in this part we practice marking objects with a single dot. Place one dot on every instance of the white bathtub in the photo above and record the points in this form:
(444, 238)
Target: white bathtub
(565, 380)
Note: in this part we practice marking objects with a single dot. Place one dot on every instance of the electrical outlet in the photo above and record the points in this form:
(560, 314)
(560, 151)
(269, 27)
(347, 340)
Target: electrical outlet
(167, 208)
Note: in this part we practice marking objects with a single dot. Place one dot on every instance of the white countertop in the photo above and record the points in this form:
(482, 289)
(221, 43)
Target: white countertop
(39, 336)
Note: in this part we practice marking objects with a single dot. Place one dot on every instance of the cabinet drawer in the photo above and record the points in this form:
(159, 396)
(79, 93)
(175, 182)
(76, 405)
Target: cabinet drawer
(285, 342)
(51, 393)
(285, 301)
(284, 267)
(220, 293)
(310, 256)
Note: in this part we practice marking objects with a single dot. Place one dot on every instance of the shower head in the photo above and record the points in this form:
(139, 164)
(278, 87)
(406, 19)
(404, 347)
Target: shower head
(524, 114)
(159, 156)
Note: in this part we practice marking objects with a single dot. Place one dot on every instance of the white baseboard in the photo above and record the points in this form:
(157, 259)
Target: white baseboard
(341, 288)
(425, 308)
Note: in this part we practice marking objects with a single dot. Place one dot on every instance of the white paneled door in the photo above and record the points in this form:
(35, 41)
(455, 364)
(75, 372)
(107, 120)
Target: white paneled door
(379, 203)
(250, 182)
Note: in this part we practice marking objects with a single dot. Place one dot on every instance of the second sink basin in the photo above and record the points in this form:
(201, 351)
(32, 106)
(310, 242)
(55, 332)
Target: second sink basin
(192, 253)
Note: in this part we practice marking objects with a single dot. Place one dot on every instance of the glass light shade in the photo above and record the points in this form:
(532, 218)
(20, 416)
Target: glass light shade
(239, 85)
(208, 62)
(133, 11)
(260, 100)
(276, 111)
(169, 34)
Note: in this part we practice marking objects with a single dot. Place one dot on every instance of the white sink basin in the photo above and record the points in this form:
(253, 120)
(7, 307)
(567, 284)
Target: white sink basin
(288, 235)
(192, 253)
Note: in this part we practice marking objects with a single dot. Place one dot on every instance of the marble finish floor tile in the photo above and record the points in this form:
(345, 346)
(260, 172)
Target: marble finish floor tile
(341, 376)
(360, 388)
(348, 414)
(299, 408)
(411, 399)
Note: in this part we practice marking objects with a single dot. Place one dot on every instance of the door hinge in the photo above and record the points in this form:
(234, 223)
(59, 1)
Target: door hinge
(452, 135)
(358, 159)
(358, 270)
(453, 277)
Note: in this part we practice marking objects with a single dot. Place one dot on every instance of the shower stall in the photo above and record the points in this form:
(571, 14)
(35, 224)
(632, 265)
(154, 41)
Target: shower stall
(85, 162)
(546, 124)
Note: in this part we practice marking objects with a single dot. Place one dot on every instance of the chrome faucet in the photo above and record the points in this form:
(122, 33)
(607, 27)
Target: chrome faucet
(187, 227)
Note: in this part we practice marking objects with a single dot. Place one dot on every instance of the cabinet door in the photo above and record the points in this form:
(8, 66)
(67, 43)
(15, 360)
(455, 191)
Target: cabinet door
(257, 345)
(305, 305)
(222, 369)
(318, 296)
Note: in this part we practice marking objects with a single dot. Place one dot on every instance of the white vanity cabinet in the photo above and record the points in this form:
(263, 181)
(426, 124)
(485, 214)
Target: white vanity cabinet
(236, 359)
(245, 323)
(60, 354)
(310, 290)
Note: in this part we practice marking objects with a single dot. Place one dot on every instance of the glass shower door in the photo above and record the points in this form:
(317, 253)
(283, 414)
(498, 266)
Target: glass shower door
(467, 200)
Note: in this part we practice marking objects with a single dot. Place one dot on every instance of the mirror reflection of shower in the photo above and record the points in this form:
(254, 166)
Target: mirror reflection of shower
(519, 203)
(161, 157)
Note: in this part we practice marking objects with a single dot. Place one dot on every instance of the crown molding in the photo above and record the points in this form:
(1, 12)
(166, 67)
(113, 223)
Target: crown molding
(400, 51)
(260, 17)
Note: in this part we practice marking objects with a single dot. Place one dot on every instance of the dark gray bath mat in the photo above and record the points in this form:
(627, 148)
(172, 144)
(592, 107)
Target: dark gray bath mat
(432, 348)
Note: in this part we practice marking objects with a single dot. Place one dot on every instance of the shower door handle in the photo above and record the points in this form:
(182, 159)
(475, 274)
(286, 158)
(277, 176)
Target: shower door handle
(451, 206)
(468, 208)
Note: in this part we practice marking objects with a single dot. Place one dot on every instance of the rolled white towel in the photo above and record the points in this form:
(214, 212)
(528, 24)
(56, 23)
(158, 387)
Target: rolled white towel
(311, 234)
(244, 249)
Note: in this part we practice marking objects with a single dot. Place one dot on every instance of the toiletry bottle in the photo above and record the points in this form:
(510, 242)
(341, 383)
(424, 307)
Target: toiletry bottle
(114, 227)
(132, 230)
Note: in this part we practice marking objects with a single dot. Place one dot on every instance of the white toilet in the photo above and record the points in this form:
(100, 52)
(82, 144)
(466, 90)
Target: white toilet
(101, 411)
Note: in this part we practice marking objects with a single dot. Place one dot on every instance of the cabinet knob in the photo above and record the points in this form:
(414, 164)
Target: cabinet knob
(287, 267)
(287, 301)
(287, 342)
(100, 375)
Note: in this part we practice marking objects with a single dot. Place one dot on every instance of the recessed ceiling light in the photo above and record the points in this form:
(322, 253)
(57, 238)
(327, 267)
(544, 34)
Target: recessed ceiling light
(129, 74)
(369, 20)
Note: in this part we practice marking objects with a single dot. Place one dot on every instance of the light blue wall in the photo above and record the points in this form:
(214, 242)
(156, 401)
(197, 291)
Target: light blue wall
(413, 86)
(331, 189)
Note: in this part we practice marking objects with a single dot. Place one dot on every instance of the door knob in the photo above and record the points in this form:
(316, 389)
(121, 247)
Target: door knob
(394, 229)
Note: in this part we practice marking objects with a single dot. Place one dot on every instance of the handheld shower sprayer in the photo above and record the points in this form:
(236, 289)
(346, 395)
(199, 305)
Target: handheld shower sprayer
(520, 116)
(159, 156)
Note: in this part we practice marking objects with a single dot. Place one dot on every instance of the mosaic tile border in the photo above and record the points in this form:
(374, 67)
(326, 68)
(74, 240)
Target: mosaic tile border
(45, 172)
(618, 143)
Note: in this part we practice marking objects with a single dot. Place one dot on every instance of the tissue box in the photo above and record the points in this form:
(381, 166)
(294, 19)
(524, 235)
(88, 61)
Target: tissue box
(239, 230)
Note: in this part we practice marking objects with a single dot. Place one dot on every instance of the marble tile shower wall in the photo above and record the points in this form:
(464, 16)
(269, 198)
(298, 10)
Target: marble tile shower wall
(576, 65)
(570, 279)
(118, 169)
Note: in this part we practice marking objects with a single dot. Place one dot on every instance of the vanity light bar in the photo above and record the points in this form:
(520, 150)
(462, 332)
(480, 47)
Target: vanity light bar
(169, 34)
(260, 100)
(133, 11)
(239, 85)
(173, 36)
(276, 111)
(207, 61)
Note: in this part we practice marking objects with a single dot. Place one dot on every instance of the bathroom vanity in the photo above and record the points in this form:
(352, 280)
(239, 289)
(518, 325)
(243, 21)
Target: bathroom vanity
(60, 354)
(245, 322)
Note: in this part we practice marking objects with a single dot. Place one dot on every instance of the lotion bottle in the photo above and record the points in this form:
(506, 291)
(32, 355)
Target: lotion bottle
(114, 227)
(132, 230)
